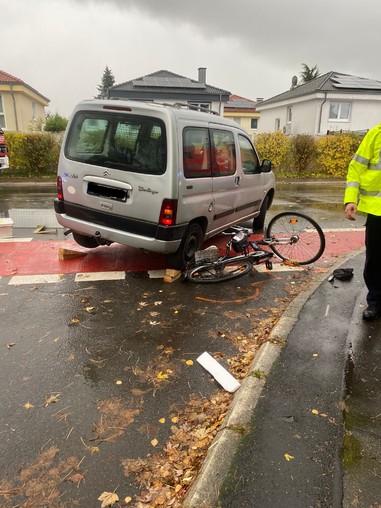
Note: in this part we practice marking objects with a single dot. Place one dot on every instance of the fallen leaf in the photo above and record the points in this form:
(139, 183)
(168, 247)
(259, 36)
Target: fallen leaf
(174, 419)
(162, 420)
(119, 382)
(161, 375)
(10, 345)
(76, 478)
(127, 499)
(52, 399)
(74, 321)
(315, 411)
(154, 442)
(288, 457)
(189, 362)
(90, 309)
(28, 405)
(108, 499)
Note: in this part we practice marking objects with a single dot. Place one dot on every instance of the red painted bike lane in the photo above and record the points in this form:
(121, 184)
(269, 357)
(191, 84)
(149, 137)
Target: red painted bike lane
(19, 257)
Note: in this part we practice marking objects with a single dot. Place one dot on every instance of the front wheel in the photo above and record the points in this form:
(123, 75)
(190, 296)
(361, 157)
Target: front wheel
(219, 271)
(297, 238)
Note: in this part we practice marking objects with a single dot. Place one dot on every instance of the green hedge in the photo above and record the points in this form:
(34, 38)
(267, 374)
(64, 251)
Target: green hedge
(302, 156)
(32, 154)
(306, 156)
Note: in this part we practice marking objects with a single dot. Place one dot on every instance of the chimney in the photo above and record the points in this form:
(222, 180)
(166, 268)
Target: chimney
(202, 75)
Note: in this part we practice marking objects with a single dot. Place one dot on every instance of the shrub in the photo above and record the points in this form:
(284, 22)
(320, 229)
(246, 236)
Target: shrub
(302, 152)
(32, 154)
(273, 146)
(55, 123)
(334, 153)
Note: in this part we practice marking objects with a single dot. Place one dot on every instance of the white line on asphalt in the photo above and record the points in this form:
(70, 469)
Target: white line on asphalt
(35, 279)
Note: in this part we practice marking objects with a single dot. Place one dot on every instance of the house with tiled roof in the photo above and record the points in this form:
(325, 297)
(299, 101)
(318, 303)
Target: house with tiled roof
(244, 112)
(332, 102)
(166, 86)
(20, 104)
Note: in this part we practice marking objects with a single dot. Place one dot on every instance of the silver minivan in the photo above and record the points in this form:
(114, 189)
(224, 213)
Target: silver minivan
(159, 177)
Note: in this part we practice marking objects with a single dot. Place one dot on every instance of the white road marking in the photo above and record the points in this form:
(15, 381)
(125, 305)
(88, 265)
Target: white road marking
(35, 279)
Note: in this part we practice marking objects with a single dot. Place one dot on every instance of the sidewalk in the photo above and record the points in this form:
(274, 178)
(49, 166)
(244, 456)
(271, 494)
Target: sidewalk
(284, 436)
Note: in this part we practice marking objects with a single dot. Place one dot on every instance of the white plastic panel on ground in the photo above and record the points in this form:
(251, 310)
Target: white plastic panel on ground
(93, 276)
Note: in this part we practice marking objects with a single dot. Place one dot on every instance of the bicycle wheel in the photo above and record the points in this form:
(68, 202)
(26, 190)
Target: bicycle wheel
(297, 238)
(219, 271)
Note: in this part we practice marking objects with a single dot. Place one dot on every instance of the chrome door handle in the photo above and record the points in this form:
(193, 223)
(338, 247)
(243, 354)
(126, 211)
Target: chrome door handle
(237, 180)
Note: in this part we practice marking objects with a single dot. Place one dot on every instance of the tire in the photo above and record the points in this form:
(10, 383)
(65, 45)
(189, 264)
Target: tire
(219, 271)
(192, 241)
(85, 241)
(302, 238)
(259, 221)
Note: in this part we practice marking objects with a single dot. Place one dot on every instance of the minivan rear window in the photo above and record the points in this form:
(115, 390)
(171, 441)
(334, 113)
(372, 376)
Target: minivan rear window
(126, 142)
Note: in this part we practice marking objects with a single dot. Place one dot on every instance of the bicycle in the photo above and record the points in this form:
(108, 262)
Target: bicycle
(292, 236)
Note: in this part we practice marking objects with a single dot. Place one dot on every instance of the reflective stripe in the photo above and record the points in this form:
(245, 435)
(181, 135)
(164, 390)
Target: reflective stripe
(355, 185)
(370, 193)
(376, 166)
(360, 159)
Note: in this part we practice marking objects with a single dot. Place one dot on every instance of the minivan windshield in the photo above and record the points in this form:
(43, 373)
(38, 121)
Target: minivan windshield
(116, 140)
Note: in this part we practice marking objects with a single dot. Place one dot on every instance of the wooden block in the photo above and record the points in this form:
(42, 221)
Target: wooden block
(64, 254)
(172, 272)
(44, 230)
(168, 278)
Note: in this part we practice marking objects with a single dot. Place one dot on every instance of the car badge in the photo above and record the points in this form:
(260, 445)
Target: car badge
(106, 173)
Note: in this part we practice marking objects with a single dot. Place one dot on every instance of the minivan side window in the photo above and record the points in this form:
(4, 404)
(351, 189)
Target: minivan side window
(223, 153)
(196, 152)
(125, 142)
(249, 158)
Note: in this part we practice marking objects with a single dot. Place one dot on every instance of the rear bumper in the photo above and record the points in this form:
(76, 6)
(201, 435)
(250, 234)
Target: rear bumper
(113, 228)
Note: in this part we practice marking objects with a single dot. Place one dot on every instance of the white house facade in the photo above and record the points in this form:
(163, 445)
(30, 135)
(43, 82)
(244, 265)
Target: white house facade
(332, 102)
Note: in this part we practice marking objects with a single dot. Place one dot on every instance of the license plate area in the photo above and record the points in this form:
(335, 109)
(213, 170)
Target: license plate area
(105, 191)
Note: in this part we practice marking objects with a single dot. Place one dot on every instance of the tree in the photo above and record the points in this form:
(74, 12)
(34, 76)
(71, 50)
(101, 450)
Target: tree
(308, 74)
(107, 81)
(55, 123)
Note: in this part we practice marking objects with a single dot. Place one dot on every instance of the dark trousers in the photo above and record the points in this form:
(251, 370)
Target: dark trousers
(372, 268)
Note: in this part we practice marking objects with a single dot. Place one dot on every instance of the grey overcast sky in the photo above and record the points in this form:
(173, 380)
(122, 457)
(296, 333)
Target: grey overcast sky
(250, 47)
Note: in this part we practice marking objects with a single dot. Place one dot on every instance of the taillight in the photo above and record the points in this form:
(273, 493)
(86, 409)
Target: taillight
(59, 189)
(168, 212)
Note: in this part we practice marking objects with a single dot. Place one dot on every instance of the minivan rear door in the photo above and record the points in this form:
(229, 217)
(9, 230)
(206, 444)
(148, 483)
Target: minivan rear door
(114, 169)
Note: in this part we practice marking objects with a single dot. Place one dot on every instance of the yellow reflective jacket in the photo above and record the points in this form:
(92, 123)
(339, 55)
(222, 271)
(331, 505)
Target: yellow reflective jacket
(364, 174)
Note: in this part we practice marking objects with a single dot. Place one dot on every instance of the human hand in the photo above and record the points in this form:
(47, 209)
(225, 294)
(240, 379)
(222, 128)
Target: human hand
(350, 211)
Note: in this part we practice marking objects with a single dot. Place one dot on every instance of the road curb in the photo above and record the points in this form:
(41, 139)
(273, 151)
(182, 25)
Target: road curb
(204, 491)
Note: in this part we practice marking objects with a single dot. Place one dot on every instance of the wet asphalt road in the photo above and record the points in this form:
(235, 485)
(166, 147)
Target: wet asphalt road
(97, 375)
(89, 370)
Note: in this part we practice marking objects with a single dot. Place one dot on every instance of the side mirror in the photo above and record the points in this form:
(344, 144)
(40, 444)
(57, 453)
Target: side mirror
(266, 166)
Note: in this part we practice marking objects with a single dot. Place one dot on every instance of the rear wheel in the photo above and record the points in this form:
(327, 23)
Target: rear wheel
(219, 271)
(85, 241)
(298, 238)
(192, 241)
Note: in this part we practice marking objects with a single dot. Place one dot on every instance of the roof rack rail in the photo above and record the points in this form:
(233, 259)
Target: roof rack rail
(193, 107)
